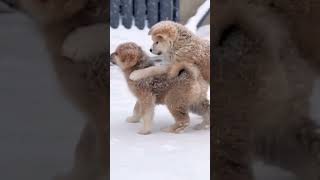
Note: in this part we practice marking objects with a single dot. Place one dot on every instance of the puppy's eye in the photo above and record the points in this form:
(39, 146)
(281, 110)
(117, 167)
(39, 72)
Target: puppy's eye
(157, 42)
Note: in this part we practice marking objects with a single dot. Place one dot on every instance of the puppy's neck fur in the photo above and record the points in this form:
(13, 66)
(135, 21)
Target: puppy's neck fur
(184, 40)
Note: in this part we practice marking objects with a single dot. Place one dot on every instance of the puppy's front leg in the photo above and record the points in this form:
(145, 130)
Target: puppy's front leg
(147, 110)
(147, 72)
(136, 114)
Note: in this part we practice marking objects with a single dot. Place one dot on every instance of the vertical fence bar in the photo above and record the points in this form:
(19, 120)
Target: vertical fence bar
(114, 13)
(176, 10)
(127, 9)
(140, 13)
(153, 13)
(166, 8)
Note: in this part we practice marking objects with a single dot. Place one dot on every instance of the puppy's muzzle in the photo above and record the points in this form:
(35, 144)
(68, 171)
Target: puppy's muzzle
(112, 60)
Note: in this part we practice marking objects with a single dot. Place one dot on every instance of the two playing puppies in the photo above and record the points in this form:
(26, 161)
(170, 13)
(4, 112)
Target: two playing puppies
(181, 89)
(181, 86)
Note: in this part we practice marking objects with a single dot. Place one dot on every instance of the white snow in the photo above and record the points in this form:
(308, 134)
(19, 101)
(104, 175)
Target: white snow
(194, 20)
(204, 32)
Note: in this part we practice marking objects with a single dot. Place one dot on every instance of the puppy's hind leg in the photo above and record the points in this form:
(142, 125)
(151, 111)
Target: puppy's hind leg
(181, 117)
(136, 114)
(203, 109)
(147, 112)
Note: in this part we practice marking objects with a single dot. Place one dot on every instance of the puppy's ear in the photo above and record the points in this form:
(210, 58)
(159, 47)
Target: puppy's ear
(131, 57)
(150, 31)
(165, 32)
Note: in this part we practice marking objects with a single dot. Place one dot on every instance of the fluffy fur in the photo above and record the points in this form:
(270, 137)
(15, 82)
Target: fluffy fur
(262, 89)
(81, 82)
(181, 89)
(177, 44)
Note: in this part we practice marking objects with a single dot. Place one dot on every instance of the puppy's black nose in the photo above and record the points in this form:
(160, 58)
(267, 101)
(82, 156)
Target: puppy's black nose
(150, 50)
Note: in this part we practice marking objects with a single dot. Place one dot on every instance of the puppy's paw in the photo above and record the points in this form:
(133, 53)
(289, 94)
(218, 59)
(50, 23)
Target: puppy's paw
(136, 75)
(133, 119)
(85, 42)
(176, 128)
(144, 132)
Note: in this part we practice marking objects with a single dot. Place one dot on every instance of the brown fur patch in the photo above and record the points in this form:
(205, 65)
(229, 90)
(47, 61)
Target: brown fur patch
(178, 44)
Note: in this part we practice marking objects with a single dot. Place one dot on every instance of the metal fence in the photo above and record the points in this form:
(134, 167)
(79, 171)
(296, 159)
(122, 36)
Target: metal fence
(142, 12)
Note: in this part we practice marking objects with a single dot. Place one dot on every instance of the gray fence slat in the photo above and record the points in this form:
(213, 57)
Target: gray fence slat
(114, 13)
(176, 7)
(152, 11)
(141, 10)
(126, 9)
(140, 13)
(166, 8)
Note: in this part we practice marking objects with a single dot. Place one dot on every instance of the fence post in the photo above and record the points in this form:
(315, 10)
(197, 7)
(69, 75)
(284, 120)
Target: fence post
(126, 9)
(176, 12)
(114, 13)
(166, 7)
(153, 12)
(140, 13)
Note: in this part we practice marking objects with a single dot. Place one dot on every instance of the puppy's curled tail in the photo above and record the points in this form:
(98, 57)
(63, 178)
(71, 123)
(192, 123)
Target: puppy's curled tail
(177, 69)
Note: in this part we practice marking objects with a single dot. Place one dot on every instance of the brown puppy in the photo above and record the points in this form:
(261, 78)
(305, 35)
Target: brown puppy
(79, 81)
(181, 89)
(177, 44)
